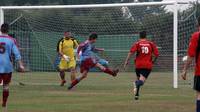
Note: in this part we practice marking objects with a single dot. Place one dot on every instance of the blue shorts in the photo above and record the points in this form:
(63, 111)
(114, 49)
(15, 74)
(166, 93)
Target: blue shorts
(103, 62)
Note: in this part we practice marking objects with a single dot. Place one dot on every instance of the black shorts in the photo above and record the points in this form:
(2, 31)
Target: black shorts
(142, 71)
(196, 83)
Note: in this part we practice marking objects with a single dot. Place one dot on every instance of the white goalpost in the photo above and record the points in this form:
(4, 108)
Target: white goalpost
(29, 21)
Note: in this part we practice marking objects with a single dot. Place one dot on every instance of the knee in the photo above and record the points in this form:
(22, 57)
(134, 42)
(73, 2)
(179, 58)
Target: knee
(84, 76)
(73, 70)
(6, 87)
(198, 95)
(102, 68)
(62, 71)
(142, 78)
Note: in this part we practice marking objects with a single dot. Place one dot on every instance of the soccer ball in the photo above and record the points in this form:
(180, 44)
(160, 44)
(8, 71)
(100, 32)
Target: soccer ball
(185, 58)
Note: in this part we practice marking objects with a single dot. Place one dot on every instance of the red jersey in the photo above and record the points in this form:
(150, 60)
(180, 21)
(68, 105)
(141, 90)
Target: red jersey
(193, 49)
(144, 49)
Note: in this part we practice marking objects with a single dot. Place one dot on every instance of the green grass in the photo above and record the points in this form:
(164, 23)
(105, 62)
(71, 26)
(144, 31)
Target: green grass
(98, 93)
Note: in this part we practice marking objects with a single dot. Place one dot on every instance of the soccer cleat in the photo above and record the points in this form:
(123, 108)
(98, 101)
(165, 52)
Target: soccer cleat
(70, 87)
(63, 82)
(115, 72)
(136, 97)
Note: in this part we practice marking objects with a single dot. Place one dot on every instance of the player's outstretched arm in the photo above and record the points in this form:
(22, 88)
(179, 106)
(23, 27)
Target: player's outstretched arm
(21, 66)
(79, 49)
(155, 52)
(185, 68)
(132, 51)
(99, 49)
(75, 44)
(127, 59)
(16, 52)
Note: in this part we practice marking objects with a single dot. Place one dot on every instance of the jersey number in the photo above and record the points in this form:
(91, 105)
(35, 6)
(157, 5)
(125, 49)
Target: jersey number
(145, 50)
(2, 48)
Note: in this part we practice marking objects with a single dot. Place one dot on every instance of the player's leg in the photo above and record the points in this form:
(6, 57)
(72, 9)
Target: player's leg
(107, 70)
(143, 75)
(73, 74)
(6, 80)
(62, 77)
(136, 88)
(78, 79)
(138, 84)
(84, 68)
(62, 68)
(72, 66)
(197, 88)
(198, 101)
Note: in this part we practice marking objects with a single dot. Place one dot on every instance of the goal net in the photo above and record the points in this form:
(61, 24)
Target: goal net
(187, 25)
(38, 29)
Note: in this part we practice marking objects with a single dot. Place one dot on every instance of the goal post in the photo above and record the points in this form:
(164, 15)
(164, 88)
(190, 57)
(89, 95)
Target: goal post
(1, 15)
(29, 21)
(175, 44)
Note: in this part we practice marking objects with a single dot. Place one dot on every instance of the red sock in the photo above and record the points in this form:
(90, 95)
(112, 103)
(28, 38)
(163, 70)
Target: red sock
(74, 82)
(108, 71)
(5, 97)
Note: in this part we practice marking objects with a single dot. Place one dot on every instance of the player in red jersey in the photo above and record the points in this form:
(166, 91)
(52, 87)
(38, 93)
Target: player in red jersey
(193, 52)
(143, 61)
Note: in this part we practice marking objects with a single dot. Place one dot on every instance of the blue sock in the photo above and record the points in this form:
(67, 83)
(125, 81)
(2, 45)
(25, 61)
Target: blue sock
(139, 83)
(198, 106)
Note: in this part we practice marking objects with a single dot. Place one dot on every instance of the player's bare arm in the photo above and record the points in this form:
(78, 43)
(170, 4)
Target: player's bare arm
(79, 49)
(127, 59)
(185, 68)
(21, 66)
(100, 49)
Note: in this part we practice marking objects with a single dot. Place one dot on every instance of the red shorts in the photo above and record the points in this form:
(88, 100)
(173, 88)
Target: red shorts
(5, 77)
(87, 64)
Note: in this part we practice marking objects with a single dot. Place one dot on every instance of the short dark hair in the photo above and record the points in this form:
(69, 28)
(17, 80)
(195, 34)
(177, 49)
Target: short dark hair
(4, 28)
(143, 34)
(199, 20)
(93, 36)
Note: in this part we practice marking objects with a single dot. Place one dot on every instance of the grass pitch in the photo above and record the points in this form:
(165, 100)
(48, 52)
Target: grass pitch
(98, 93)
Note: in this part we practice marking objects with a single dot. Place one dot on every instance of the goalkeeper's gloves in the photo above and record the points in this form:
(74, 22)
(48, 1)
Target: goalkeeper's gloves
(66, 58)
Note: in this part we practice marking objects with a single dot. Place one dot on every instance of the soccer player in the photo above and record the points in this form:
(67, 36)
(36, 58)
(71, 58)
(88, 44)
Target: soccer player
(68, 61)
(143, 62)
(193, 53)
(7, 48)
(89, 59)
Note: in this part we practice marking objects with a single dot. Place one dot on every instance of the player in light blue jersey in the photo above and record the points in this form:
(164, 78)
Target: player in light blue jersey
(8, 47)
(89, 59)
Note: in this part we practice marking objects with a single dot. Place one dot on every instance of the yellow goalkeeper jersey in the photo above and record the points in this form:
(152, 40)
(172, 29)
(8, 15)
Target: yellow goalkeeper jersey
(67, 46)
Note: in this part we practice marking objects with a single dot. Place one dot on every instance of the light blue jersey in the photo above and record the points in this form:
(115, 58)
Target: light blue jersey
(8, 48)
(88, 51)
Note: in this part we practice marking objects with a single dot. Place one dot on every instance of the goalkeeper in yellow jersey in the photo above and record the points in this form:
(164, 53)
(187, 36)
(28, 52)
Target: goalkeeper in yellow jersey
(66, 48)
